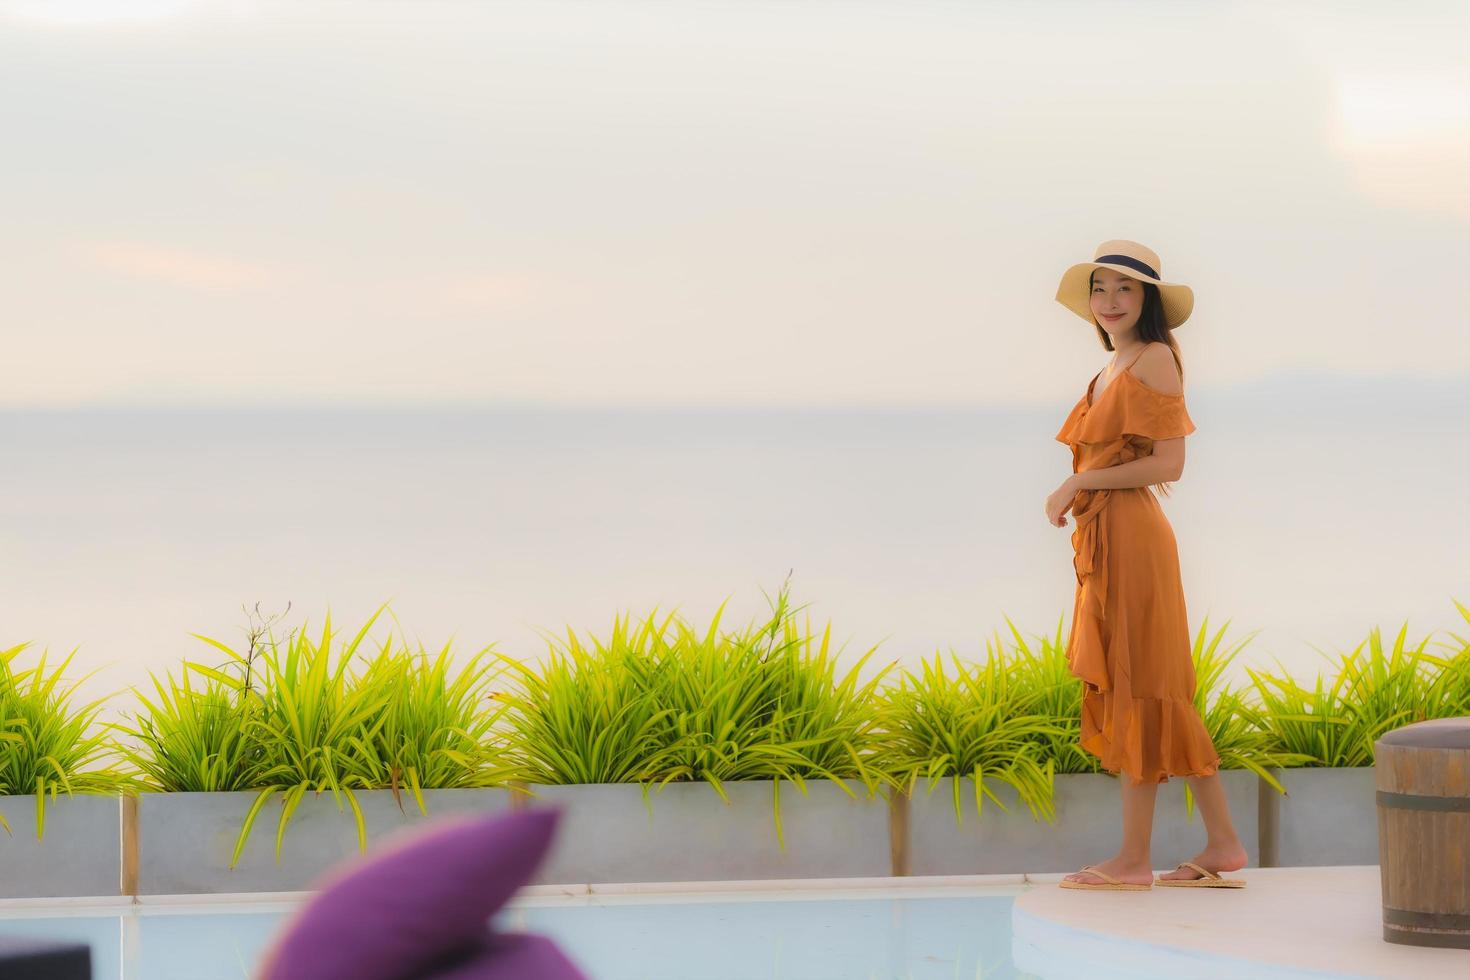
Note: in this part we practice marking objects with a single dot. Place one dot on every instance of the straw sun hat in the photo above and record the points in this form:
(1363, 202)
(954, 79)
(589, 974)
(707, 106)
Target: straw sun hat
(1131, 259)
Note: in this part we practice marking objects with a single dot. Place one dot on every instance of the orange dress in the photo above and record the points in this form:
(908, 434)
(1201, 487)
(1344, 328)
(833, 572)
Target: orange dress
(1130, 635)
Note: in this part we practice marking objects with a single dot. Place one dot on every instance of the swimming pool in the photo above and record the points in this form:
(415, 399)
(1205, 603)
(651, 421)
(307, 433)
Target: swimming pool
(865, 934)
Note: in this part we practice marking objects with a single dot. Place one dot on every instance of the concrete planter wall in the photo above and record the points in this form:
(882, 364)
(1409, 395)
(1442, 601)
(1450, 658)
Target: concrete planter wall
(1330, 816)
(180, 843)
(80, 853)
(687, 833)
(184, 840)
(1088, 828)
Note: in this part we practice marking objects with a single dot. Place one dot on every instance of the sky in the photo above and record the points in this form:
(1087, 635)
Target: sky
(715, 204)
(624, 205)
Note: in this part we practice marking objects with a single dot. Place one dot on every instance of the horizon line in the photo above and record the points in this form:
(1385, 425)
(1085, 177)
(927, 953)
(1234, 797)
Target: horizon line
(360, 403)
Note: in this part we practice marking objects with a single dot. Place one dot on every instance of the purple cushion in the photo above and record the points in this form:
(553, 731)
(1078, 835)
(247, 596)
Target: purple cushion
(423, 898)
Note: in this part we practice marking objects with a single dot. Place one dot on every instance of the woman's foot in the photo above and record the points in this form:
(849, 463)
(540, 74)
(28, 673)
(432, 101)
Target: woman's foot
(1132, 872)
(1218, 859)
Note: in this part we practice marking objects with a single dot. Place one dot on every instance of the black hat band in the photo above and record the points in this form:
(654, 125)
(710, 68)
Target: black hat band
(1130, 262)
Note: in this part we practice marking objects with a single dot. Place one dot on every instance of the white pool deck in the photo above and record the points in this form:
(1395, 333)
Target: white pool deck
(1286, 922)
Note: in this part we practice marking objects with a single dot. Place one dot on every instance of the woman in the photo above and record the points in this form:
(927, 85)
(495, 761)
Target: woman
(1130, 635)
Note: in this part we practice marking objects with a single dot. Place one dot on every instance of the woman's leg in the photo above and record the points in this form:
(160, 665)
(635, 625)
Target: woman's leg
(1223, 848)
(1132, 863)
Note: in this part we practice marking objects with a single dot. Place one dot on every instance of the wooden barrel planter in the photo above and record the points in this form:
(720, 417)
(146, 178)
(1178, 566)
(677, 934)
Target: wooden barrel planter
(1423, 782)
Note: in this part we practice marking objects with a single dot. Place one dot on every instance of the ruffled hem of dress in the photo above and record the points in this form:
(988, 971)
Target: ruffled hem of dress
(1162, 738)
(1161, 777)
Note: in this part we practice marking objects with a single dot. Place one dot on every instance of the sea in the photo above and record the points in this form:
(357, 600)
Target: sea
(1314, 507)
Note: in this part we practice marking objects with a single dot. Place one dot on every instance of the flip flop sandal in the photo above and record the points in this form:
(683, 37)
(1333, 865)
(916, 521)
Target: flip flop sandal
(1209, 880)
(1114, 886)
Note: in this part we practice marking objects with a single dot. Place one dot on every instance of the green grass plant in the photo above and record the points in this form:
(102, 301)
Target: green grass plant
(441, 729)
(1231, 716)
(971, 720)
(195, 735)
(1371, 692)
(767, 703)
(295, 715)
(1044, 678)
(589, 715)
(315, 725)
(1449, 690)
(48, 745)
(653, 706)
(1316, 723)
(659, 702)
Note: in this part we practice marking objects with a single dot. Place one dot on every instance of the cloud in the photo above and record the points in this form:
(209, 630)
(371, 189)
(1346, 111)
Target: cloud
(179, 267)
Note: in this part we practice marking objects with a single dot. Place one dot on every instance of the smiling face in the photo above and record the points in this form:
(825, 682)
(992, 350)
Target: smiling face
(1117, 301)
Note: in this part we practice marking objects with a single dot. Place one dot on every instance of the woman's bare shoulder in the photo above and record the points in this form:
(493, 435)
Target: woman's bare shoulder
(1157, 368)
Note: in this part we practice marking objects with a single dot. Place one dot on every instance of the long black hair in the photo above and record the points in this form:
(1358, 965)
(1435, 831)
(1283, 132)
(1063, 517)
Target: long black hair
(1151, 329)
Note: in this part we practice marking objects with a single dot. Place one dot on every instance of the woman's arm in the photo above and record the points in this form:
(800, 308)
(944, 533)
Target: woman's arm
(1142, 472)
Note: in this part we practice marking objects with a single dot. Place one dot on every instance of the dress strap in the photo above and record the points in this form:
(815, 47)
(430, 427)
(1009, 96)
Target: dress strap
(1115, 373)
(1135, 360)
(1145, 351)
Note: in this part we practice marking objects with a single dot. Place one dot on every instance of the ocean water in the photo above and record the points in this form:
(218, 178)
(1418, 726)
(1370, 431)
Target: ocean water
(1312, 508)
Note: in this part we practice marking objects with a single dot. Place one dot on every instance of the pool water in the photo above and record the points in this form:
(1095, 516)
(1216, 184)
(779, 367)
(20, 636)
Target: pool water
(884, 935)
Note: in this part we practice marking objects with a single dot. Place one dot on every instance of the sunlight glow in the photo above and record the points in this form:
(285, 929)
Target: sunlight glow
(1373, 110)
(1407, 139)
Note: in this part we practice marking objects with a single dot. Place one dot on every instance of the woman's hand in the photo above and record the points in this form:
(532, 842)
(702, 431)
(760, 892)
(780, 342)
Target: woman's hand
(1060, 501)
